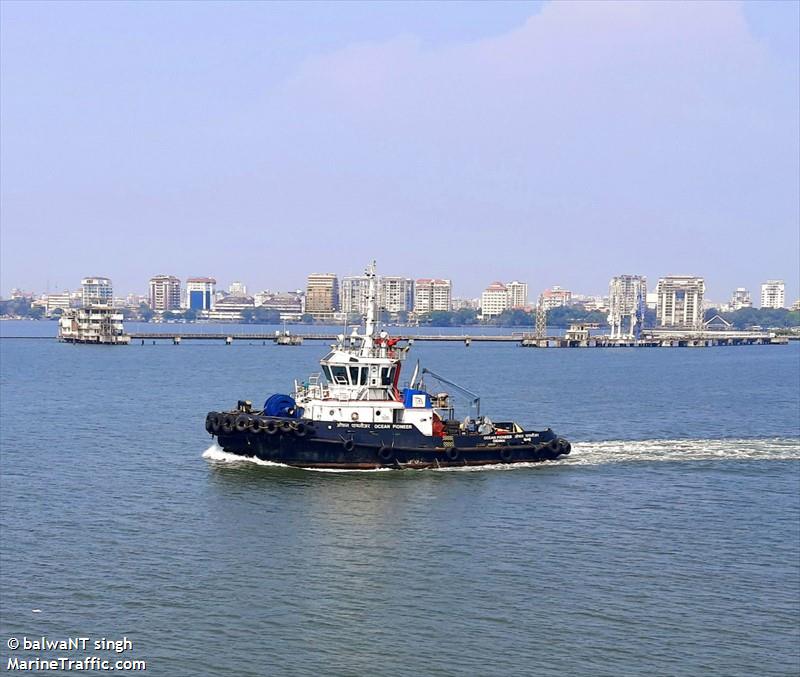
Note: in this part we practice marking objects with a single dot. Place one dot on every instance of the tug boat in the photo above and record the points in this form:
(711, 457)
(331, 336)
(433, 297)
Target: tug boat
(354, 415)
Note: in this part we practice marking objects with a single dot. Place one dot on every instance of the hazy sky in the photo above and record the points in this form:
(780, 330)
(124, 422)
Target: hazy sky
(556, 143)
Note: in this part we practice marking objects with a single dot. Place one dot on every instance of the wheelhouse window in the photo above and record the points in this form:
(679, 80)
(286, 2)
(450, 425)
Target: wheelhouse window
(339, 375)
(356, 375)
(326, 370)
(387, 376)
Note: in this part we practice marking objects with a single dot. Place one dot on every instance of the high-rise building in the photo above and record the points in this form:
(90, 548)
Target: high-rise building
(165, 292)
(555, 297)
(432, 295)
(741, 299)
(322, 294)
(627, 299)
(96, 290)
(680, 301)
(517, 294)
(773, 294)
(237, 289)
(494, 299)
(353, 294)
(200, 293)
(395, 294)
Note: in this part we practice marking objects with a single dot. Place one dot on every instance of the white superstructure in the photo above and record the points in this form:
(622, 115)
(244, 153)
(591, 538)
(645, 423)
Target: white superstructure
(359, 380)
(98, 323)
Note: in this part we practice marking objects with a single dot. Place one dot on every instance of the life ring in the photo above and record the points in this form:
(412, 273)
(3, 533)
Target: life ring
(271, 427)
(227, 423)
(451, 453)
(506, 454)
(242, 423)
(384, 453)
(349, 445)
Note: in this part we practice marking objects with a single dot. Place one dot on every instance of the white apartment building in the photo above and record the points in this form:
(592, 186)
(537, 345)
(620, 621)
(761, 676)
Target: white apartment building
(353, 291)
(96, 290)
(680, 301)
(165, 292)
(432, 295)
(740, 299)
(494, 300)
(395, 294)
(517, 294)
(773, 294)
(627, 296)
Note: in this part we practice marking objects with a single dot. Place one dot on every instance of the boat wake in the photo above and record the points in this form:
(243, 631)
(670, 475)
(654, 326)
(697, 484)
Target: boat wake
(597, 453)
(630, 451)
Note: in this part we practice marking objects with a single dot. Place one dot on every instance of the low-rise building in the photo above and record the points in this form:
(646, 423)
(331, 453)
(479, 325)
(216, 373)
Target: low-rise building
(229, 309)
(53, 301)
(238, 289)
(290, 305)
(556, 297)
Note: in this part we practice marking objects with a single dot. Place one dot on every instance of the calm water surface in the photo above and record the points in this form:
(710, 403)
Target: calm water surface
(668, 543)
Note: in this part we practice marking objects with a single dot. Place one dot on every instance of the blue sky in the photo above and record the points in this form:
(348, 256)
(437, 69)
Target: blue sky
(557, 143)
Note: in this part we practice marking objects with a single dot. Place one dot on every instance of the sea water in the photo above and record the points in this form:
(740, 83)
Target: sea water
(667, 543)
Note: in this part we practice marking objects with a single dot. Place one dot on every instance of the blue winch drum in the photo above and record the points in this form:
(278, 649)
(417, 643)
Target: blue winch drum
(282, 405)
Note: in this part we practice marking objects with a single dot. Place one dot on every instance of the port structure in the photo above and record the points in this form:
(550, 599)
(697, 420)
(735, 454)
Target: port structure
(541, 320)
(627, 296)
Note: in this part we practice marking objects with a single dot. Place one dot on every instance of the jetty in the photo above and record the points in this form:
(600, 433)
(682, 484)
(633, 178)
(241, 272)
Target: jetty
(573, 338)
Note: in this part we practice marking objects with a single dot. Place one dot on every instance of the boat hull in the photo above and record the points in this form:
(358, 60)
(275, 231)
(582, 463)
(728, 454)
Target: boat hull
(363, 446)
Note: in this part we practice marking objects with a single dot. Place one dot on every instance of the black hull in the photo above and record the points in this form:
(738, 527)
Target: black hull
(321, 444)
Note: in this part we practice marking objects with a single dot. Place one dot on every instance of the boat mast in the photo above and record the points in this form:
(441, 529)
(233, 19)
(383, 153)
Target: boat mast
(366, 346)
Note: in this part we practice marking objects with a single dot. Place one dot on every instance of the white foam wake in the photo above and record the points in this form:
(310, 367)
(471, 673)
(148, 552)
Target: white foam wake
(596, 453)
(625, 451)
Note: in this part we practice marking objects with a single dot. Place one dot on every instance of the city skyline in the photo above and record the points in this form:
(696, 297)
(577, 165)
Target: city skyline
(553, 295)
(556, 143)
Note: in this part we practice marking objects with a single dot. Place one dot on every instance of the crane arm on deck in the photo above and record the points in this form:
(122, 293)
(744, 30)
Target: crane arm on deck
(474, 399)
